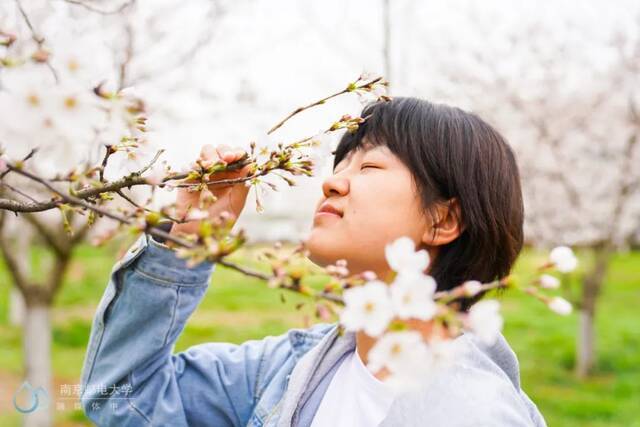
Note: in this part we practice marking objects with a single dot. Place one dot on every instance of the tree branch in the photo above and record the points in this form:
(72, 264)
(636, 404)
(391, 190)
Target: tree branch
(299, 110)
(91, 8)
(36, 38)
(53, 241)
(56, 275)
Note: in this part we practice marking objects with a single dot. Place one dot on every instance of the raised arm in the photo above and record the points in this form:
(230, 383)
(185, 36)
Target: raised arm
(130, 376)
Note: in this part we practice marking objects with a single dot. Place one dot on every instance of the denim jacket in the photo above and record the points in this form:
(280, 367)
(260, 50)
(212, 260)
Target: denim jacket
(131, 376)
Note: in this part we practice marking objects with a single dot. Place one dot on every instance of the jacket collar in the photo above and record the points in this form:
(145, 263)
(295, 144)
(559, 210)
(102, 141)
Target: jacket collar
(303, 340)
(318, 350)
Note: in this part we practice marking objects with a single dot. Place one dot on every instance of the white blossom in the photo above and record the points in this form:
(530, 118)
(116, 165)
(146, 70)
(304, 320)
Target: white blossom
(74, 113)
(548, 281)
(406, 357)
(397, 351)
(563, 259)
(485, 320)
(412, 296)
(404, 259)
(265, 145)
(367, 308)
(560, 305)
(367, 75)
(59, 118)
(369, 275)
(379, 90)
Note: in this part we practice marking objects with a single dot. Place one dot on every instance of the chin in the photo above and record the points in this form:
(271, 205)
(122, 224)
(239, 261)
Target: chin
(323, 250)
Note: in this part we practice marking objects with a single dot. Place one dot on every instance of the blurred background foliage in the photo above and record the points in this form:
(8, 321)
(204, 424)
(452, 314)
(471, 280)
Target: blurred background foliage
(236, 309)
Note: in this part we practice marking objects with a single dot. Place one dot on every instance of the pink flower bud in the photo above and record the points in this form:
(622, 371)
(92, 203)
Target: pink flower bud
(156, 177)
(196, 214)
(549, 282)
(323, 312)
(563, 259)
(560, 305)
(369, 275)
(472, 288)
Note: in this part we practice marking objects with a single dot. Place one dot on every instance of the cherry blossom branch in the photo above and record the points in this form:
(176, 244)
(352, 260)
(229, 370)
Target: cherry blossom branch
(34, 35)
(209, 244)
(17, 191)
(91, 8)
(41, 55)
(464, 291)
(351, 88)
(21, 162)
(109, 150)
(155, 231)
(266, 277)
(152, 230)
(134, 179)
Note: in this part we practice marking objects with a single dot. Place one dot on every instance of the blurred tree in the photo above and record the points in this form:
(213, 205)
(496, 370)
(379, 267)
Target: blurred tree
(572, 115)
(72, 47)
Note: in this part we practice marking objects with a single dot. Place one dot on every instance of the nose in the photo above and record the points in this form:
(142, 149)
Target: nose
(335, 185)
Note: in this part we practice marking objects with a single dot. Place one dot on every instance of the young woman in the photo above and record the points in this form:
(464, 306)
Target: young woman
(435, 173)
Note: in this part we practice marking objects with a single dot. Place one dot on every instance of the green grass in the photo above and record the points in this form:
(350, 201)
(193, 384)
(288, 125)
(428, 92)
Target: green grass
(237, 308)
(545, 347)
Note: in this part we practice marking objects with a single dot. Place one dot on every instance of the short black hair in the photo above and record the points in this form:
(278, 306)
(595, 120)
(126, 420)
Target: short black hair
(452, 153)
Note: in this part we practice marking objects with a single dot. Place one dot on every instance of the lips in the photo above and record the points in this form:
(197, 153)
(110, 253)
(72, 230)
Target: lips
(327, 208)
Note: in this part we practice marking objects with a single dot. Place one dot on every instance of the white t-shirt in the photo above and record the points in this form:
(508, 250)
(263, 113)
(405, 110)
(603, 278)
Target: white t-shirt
(354, 398)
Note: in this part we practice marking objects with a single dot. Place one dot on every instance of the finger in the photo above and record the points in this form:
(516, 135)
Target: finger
(245, 171)
(238, 196)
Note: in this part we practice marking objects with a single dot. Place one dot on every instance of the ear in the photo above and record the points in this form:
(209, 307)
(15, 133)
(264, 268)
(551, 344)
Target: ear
(446, 224)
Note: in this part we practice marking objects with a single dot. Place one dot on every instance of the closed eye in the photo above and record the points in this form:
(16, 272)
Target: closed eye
(365, 166)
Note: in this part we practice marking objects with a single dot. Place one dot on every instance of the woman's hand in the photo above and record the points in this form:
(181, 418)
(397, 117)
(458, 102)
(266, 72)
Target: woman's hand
(229, 198)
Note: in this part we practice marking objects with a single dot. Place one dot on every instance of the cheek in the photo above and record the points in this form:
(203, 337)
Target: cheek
(381, 212)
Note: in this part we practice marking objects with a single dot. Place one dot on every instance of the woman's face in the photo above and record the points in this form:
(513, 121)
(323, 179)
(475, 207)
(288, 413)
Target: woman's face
(369, 201)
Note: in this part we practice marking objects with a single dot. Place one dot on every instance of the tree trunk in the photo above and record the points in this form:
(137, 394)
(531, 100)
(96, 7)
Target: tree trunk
(586, 342)
(16, 299)
(37, 354)
(585, 346)
(16, 307)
